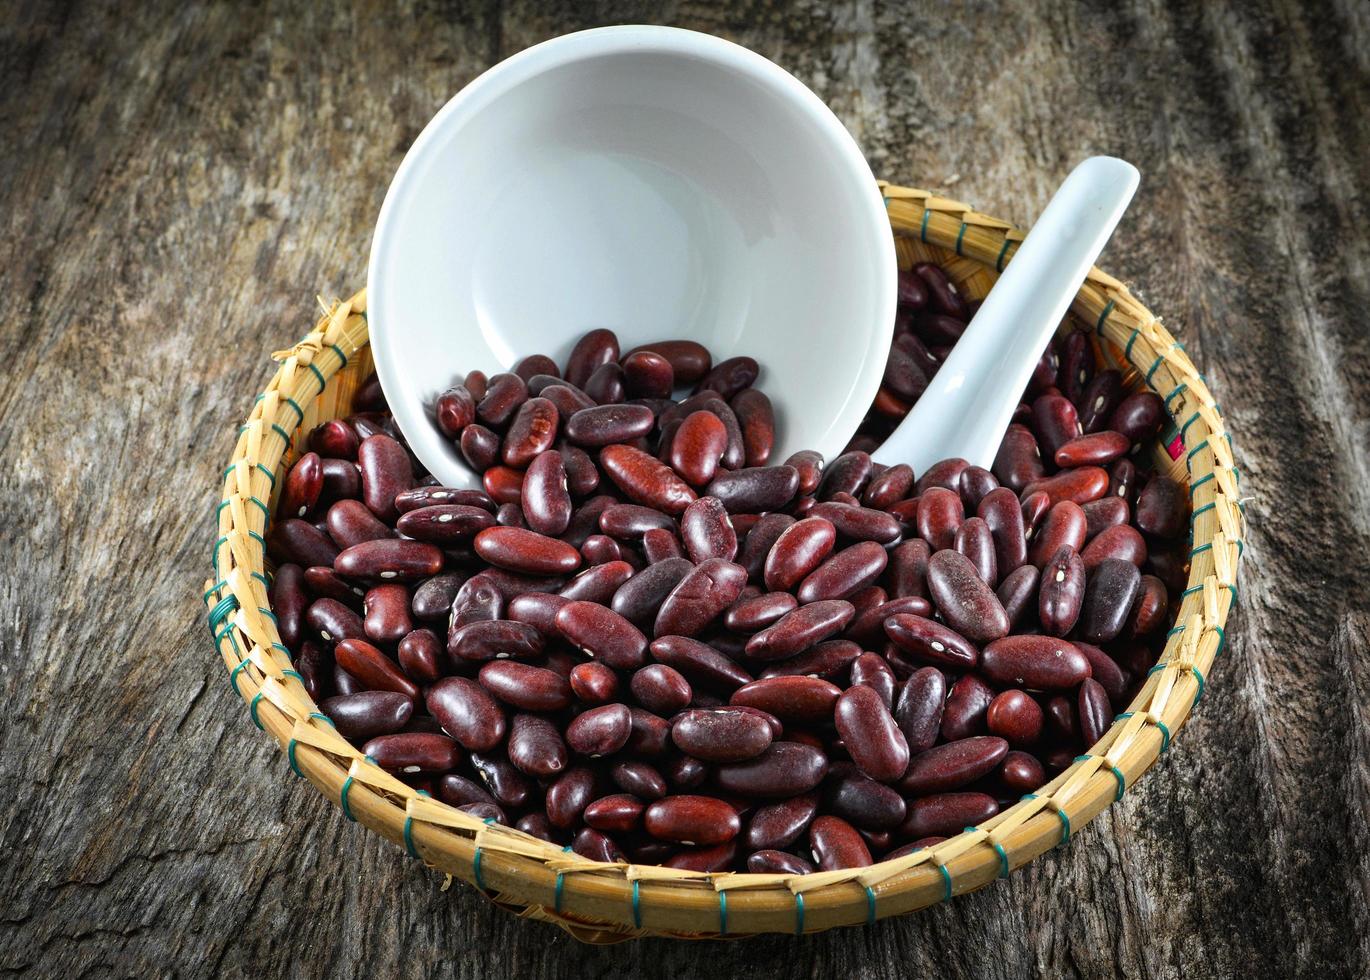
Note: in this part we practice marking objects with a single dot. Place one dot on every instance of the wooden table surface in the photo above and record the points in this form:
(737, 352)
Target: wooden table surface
(178, 182)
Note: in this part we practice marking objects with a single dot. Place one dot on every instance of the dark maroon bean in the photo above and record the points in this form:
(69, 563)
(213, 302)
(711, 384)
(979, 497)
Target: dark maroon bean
(1171, 566)
(324, 583)
(798, 630)
(913, 291)
(780, 824)
(535, 364)
(646, 480)
(479, 446)
(1149, 608)
(422, 657)
(628, 521)
(918, 711)
(1100, 515)
(568, 797)
(905, 379)
(1138, 416)
(600, 731)
(603, 634)
(454, 410)
(1015, 716)
(868, 626)
(870, 735)
(387, 613)
(1019, 460)
(467, 712)
(719, 857)
(809, 465)
(638, 779)
(1095, 712)
(595, 348)
(302, 487)
(1055, 422)
(605, 385)
(940, 513)
(368, 714)
(342, 480)
(848, 473)
(686, 772)
(1041, 663)
(798, 551)
(537, 825)
(689, 360)
(442, 524)
(598, 583)
(416, 497)
(525, 686)
(976, 483)
(477, 383)
(413, 752)
(1021, 772)
(520, 550)
(486, 812)
(532, 431)
(829, 661)
(844, 573)
(298, 541)
(946, 474)
(784, 769)
(478, 600)
(947, 814)
(567, 398)
(345, 683)
(953, 765)
(650, 734)
(594, 683)
(778, 862)
(1062, 591)
(617, 814)
(494, 640)
(943, 294)
(931, 641)
(368, 424)
(1065, 526)
(1093, 449)
(647, 374)
(697, 446)
(700, 663)
(335, 439)
(1061, 718)
(1098, 400)
(730, 376)
(797, 699)
(1161, 507)
(333, 621)
(871, 670)
(545, 498)
(965, 601)
(661, 689)
(908, 569)
(750, 614)
(859, 523)
(692, 820)
(975, 540)
(837, 845)
(510, 787)
(639, 598)
(699, 597)
(536, 747)
(373, 668)
(757, 419)
(288, 602)
(967, 703)
(1082, 484)
(721, 735)
(707, 531)
(455, 790)
(386, 470)
(658, 544)
(505, 395)
(1112, 588)
(860, 800)
(605, 424)
(890, 487)
(1121, 541)
(1104, 670)
(350, 522)
(1017, 591)
(1077, 365)
(755, 489)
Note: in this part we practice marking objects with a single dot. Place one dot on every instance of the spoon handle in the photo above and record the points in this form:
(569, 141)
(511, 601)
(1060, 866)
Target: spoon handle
(969, 402)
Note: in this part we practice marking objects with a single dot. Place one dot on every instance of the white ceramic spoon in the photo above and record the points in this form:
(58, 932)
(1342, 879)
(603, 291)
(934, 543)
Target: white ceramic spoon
(967, 406)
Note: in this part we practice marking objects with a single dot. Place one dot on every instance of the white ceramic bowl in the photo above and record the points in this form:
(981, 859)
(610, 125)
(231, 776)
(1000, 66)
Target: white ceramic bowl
(659, 182)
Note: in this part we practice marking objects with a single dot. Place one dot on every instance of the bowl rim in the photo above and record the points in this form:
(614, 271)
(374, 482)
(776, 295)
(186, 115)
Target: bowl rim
(599, 42)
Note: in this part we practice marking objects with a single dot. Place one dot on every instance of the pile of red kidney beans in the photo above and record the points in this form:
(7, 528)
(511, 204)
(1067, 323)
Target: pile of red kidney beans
(647, 639)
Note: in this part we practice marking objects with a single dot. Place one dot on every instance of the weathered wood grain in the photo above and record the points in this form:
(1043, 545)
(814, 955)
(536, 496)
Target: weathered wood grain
(177, 180)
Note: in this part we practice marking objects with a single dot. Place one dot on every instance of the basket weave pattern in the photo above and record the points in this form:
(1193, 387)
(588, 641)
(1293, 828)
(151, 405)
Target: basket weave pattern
(316, 381)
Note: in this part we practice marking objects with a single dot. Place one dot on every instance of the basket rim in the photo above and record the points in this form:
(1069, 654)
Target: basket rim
(604, 902)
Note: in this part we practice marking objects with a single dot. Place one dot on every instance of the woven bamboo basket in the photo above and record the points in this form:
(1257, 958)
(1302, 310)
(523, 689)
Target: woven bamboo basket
(317, 380)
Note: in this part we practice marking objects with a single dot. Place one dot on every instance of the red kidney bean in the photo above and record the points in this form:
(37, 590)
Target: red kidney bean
(1105, 670)
(690, 361)
(755, 489)
(650, 734)
(545, 497)
(595, 348)
(478, 600)
(567, 399)
(390, 559)
(908, 569)
(638, 779)
(890, 487)
(918, 711)
(1095, 712)
(535, 364)
(524, 686)
(350, 522)
(532, 431)
(661, 689)
(1041, 663)
(639, 598)
(1102, 514)
(869, 732)
(477, 383)
(798, 699)
(1065, 526)
(975, 540)
(345, 683)
(368, 714)
(697, 447)
(943, 295)
(324, 583)
(1062, 591)
(413, 752)
(302, 487)
(646, 480)
(606, 424)
(300, 542)
(967, 704)
(757, 420)
(333, 621)
(868, 626)
(479, 446)
(798, 630)
(912, 291)
(905, 378)
(373, 668)
(945, 473)
(700, 596)
(1015, 716)
(1055, 421)
(730, 376)
(721, 735)
(441, 524)
(931, 641)
(846, 572)
(1021, 772)
(1112, 588)
(618, 814)
(699, 663)
(599, 583)
(628, 521)
(509, 786)
(659, 544)
(386, 470)
(288, 602)
(603, 634)
(776, 825)
(1077, 365)
(600, 731)
(520, 550)
(494, 639)
(940, 513)
(829, 660)
(953, 765)
(778, 862)
(798, 551)
(1082, 484)
(859, 523)
(686, 772)
(784, 769)
(455, 790)
(976, 484)
(467, 712)
(387, 613)
(1035, 507)
(1138, 416)
(692, 820)
(748, 615)
(1002, 513)
(422, 657)
(707, 531)
(719, 857)
(965, 601)
(1149, 609)
(863, 802)
(594, 683)
(605, 385)
(568, 797)
(536, 747)
(871, 670)
(342, 480)
(1019, 460)
(536, 825)
(335, 439)
(1161, 507)
(1098, 400)
(809, 465)
(1120, 541)
(837, 845)
(947, 814)
(848, 473)
(1094, 449)
(1017, 592)
(599, 549)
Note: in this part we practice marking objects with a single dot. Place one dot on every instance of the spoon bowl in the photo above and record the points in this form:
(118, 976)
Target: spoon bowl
(658, 182)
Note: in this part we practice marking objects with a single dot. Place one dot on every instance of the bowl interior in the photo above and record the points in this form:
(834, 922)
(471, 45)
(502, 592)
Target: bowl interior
(657, 182)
